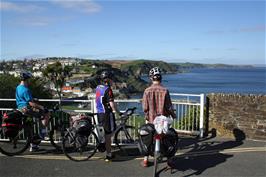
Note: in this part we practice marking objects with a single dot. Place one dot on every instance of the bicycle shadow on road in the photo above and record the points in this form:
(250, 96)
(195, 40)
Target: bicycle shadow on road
(126, 154)
(203, 155)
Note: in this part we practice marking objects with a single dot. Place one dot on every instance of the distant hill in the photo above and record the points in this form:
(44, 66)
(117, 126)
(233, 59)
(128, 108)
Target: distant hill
(142, 67)
(127, 73)
(187, 65)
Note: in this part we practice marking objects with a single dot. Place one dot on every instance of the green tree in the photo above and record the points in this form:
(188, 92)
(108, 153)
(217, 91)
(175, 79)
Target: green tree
(8, 84)
(57, 74)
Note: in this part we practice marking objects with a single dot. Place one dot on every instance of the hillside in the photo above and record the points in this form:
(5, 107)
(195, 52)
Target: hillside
(127, 74)
(142, 67)
(187, 65)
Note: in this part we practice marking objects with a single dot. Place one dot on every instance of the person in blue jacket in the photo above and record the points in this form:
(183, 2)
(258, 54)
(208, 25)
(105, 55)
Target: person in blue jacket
(26, 104)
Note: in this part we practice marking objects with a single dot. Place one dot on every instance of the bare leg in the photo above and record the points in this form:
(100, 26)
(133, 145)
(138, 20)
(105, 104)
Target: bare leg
(46, 119)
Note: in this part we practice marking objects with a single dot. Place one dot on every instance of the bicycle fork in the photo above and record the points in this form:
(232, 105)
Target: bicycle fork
(157, 145)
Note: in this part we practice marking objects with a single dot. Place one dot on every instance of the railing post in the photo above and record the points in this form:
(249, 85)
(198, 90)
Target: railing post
(94, 110)
(201, 114)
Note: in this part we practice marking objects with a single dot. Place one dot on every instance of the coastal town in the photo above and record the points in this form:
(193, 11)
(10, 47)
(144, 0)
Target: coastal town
(78, 85)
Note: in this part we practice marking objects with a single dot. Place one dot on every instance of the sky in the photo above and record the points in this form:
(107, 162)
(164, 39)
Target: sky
(229, 32)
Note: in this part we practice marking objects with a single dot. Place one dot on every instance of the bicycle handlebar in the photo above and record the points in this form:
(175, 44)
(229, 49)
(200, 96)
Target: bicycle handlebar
(90, 114)
(128, 112)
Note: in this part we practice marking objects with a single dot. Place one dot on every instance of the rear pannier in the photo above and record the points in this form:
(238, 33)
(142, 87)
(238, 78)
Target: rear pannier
(12, 123)
(146, 144)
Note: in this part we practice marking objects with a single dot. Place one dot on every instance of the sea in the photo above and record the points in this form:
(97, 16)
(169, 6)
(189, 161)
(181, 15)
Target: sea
(217, 80)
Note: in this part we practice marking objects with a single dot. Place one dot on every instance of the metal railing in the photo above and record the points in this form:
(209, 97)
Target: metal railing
(189, 110)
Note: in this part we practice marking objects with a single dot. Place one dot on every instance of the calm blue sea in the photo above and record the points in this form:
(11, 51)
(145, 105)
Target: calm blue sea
(213, 80)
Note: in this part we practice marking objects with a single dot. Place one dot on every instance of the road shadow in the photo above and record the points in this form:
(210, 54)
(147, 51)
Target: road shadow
(202, 155)
(126, 154)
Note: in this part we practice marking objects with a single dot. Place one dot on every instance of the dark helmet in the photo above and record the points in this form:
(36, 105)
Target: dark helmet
(106, 75)
(155, 74)
(24, 75)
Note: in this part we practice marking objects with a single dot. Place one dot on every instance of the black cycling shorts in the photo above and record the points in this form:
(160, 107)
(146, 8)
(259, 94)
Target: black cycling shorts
(37, 113)
(107, 120)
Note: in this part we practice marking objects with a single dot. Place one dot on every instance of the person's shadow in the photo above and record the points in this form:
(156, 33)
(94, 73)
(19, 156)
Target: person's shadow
(202, 156)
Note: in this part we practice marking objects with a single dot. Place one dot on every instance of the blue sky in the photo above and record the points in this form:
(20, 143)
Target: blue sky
(231, 32)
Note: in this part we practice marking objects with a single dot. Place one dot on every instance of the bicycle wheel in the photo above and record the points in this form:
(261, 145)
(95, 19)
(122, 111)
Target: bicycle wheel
(126, 137)
(55, 134)
(156, 156)
(14, 145)
(76, 152)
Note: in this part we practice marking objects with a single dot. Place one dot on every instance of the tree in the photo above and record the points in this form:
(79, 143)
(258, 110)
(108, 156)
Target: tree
(57, 74)
(8, 84)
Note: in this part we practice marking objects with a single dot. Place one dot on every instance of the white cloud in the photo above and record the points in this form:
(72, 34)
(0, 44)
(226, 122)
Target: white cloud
(36, 21)
(31, 9)
(19, 7)
(258, 28)
(85, 6)
(251, 29)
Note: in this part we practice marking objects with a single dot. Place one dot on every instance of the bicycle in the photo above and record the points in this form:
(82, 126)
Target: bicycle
(28, 132)
(95, 140)
(161, 148)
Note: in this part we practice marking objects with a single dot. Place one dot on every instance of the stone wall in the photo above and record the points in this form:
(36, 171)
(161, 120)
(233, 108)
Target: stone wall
(233, 111)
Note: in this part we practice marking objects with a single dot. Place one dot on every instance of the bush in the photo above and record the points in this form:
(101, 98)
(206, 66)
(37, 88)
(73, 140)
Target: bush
(8, 89)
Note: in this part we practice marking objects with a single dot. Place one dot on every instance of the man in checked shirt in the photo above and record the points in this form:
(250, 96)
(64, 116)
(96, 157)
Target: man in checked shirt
(156, 101)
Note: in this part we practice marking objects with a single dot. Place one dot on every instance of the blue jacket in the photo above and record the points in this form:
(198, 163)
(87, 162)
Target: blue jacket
(23, 96)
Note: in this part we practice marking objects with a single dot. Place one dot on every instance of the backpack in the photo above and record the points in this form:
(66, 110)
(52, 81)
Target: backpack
(169, 143)
(146, 142)
(12, 123)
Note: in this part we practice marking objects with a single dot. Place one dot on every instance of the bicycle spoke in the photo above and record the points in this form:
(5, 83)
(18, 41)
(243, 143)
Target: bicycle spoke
(13, 145)
(124, 138)
(76, 153)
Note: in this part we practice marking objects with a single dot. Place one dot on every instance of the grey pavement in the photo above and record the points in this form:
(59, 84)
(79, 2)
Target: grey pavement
(195, 157)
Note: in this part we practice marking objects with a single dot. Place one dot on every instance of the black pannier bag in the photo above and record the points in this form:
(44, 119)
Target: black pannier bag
(83, 126)
(81, 140)
(146, 143)
(169, 143)
(12, 123)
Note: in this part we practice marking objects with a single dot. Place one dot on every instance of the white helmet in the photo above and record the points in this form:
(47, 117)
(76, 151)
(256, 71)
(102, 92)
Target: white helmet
(155, 73)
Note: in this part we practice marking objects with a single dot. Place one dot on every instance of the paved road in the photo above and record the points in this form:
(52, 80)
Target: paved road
(208, 157)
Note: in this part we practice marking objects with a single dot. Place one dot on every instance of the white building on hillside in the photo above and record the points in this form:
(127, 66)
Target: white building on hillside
(37, 74)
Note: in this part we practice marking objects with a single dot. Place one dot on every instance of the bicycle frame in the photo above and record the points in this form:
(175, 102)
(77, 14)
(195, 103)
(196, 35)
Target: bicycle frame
(99, 130)
(162, 124)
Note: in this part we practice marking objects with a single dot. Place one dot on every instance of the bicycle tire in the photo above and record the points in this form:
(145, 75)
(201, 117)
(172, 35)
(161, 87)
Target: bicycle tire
(17, 145)
(156, 156)
(123, 137)
(55, 134)
(79, 154)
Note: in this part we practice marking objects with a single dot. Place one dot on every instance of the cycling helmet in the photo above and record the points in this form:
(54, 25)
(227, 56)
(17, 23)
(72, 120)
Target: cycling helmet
(106, 75)
(24, 75)
(155, 73)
